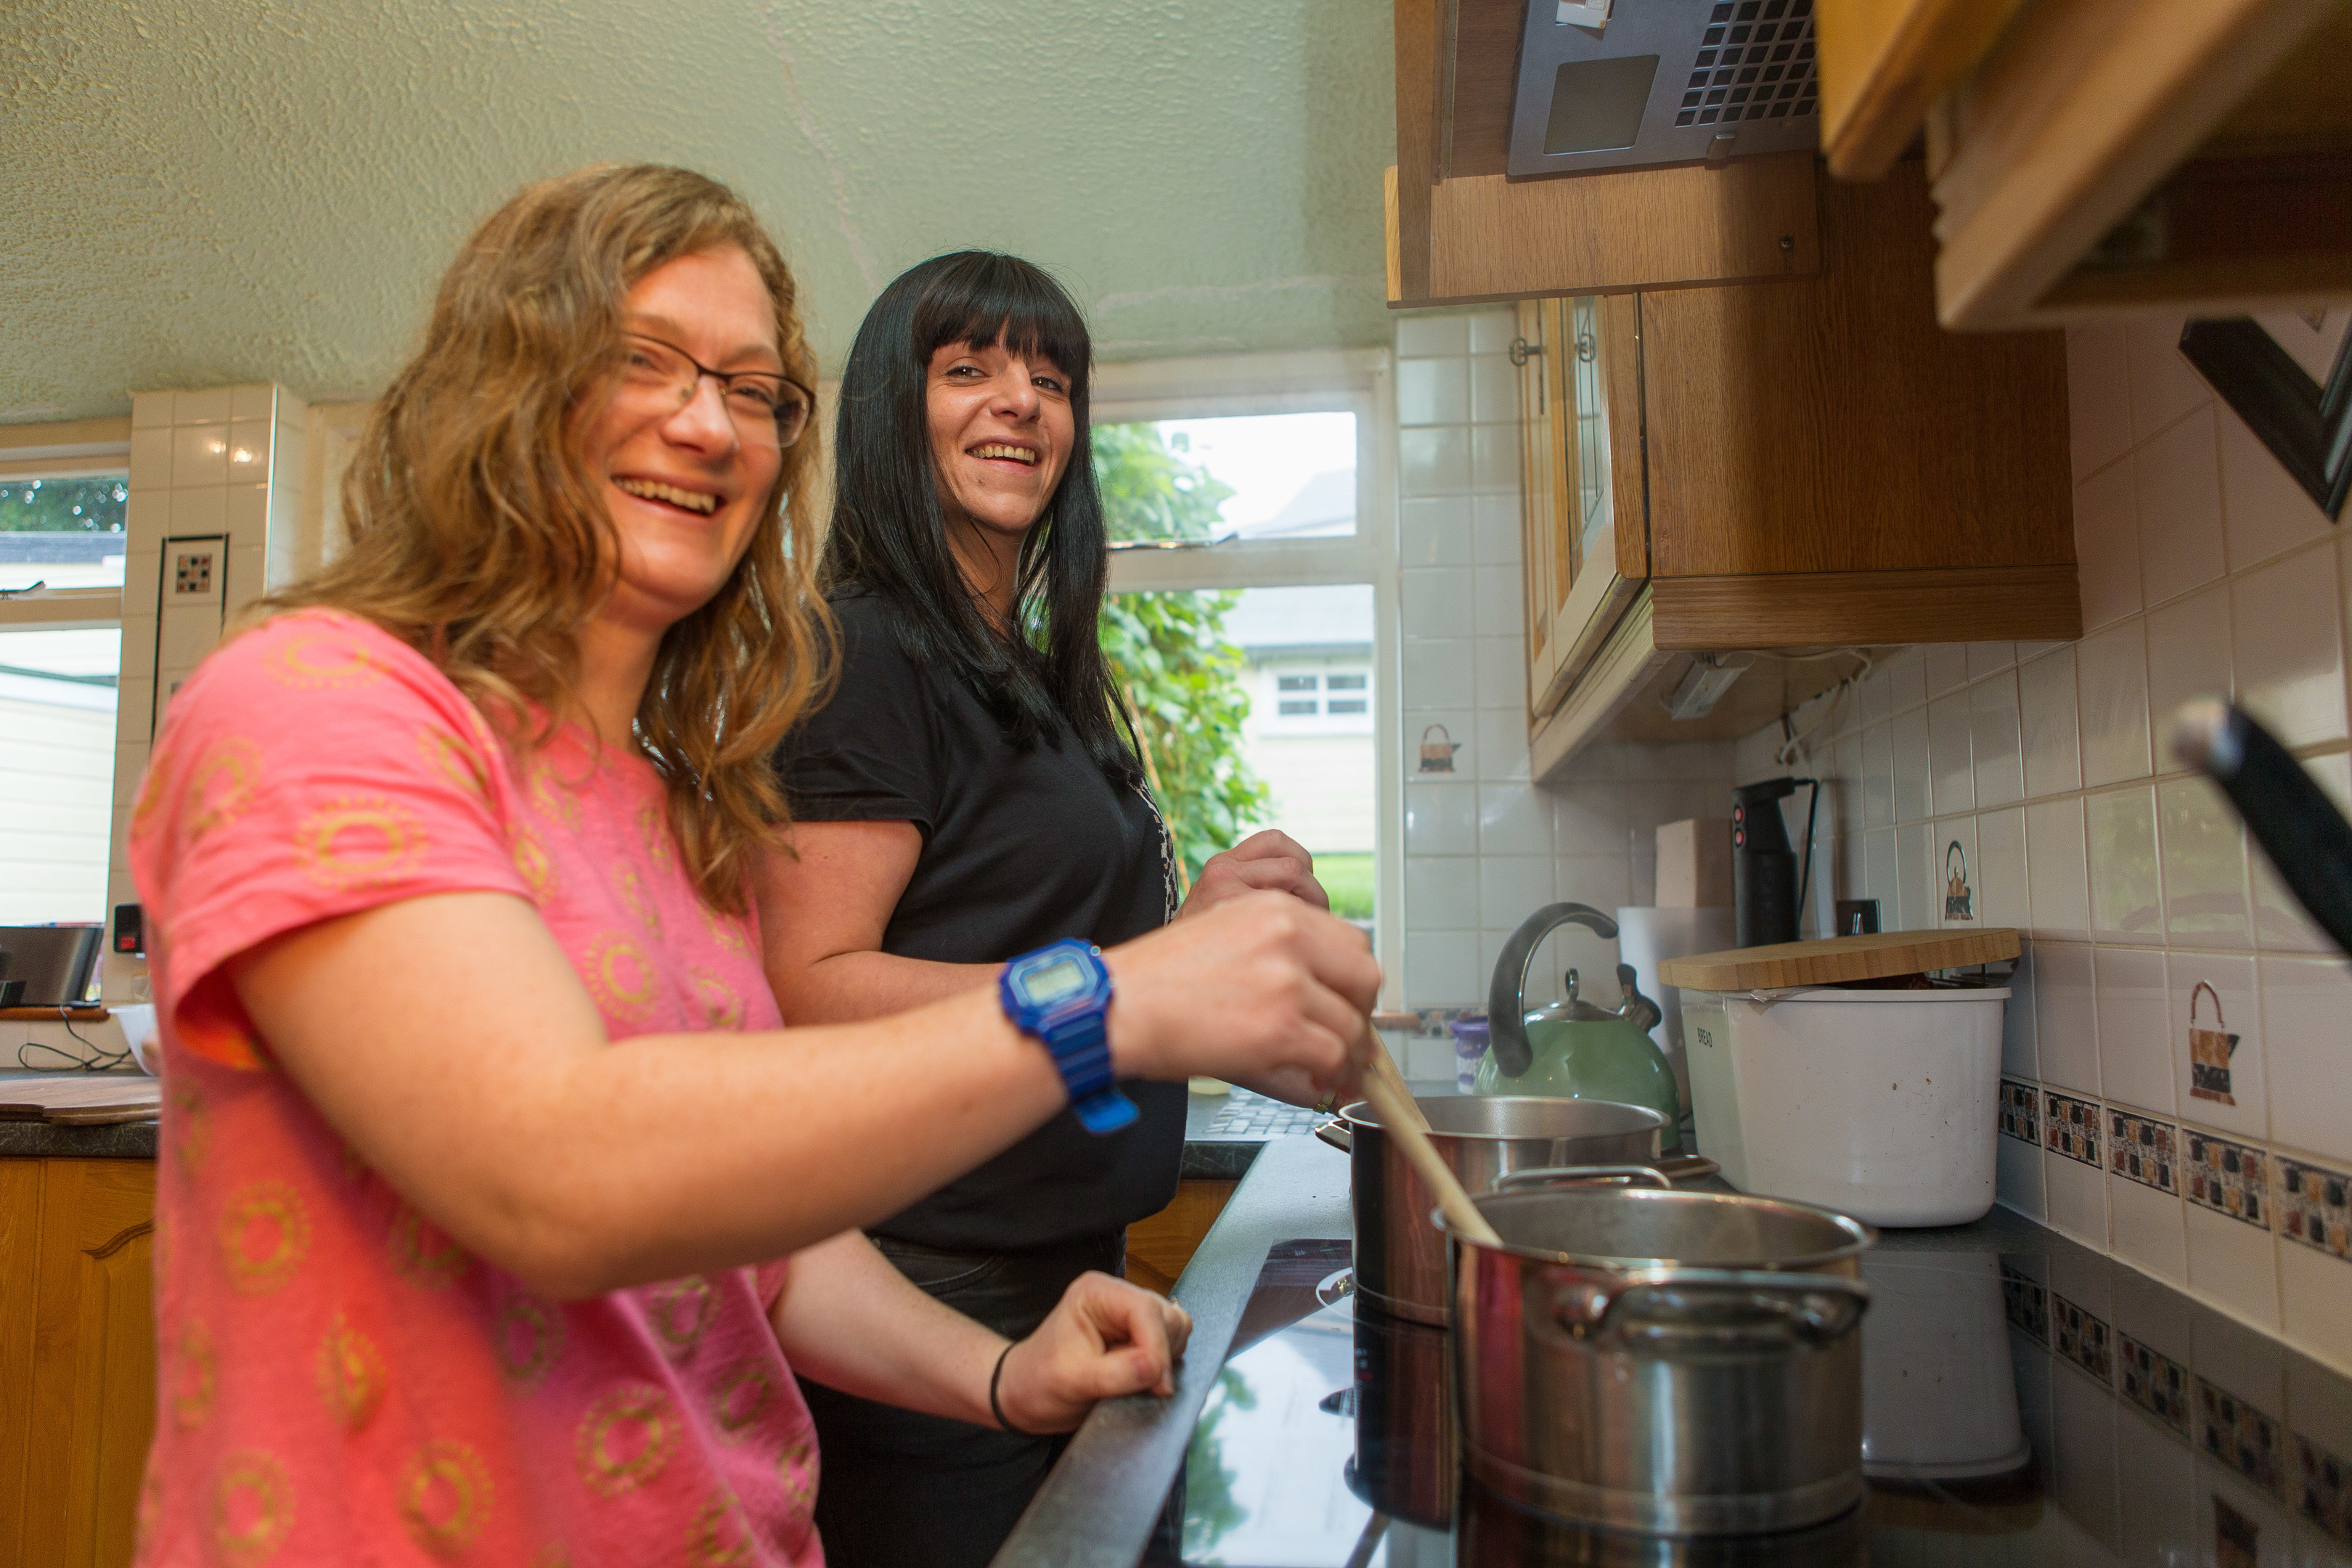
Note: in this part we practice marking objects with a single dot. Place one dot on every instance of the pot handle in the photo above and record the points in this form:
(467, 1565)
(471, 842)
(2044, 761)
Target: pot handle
(1580, 1175)
(1817, 1310)
(1335, 1132)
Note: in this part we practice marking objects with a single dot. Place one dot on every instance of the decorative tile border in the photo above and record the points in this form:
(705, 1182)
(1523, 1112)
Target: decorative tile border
(2082, 1338)
(2244, 1436)
(2155, 1381)
(2026, 1304)
(2071, 1127)
(2143, 1149)
(2322, 1488)
(2314, 1207)
(2021, 1111)
(2228, 1178)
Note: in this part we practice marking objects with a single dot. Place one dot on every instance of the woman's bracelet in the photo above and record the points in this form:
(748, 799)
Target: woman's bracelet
(995, 1407)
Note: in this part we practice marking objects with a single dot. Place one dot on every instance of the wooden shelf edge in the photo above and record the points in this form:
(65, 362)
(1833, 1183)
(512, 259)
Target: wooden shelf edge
(1815, 609)
(1883, 66)
(49, 1015)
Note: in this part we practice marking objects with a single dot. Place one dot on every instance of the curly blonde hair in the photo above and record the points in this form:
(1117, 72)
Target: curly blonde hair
(476, 534)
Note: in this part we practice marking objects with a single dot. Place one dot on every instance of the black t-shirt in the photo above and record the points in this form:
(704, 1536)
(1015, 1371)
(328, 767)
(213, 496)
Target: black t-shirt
(1021, 848)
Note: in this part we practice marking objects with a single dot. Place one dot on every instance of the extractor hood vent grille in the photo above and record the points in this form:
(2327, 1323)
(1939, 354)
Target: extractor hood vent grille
(1755, 62)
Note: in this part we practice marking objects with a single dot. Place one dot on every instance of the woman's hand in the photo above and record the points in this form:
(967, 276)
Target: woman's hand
(1268, 861)
(1262, 983)
(1106, 1339)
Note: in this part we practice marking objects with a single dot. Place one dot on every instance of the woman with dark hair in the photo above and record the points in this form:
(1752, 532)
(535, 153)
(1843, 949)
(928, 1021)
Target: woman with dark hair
(970, 792)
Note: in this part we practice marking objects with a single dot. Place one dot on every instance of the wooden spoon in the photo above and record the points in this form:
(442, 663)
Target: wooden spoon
(1401, 1119)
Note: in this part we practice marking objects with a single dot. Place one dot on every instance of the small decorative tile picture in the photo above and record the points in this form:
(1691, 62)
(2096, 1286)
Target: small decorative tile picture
(2211, 1045)
(2228, 1178)
(2143, 1149)
(2314, 1207)
(1959, 899)
(2244, 1436)
(2021, 1111)
(2026, 1304)
(2082, 1338)
(2071, 1127)
(2322, 1488)
(2155, 1381)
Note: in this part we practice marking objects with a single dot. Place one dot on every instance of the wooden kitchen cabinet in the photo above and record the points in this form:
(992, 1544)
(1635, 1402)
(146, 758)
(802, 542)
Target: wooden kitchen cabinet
(1796, 464)
(77, 1357)
(1159, 1247)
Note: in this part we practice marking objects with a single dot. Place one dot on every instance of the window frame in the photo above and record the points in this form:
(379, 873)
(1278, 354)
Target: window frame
(1356, 381)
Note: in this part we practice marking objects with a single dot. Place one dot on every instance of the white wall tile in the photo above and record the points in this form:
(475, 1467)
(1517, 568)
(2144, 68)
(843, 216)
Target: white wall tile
(212, 405)
(248, 451)
(1985, 658)
(2164, 386)
(1441, 969)
(1441, 818)
(2236, 1101)
(1947, 666)
(1441, 892)
(1845, 776)
(2233, 1263)
(1497, 600)
(2107, 545)
(1919, 879)
(2179, 478)
(1437, 602)
(1589, 818)
(1434, 461)
(1951, 775)
(2058, 870)
(2019, 1020)
(1911, 765)
(2286, 636)
(2017, 1176)
(1494, 458)
(1878, 777)
(2188, 656)
(1440, 672)
(2148, 1228)
(199, 455)
(1491, 330)
(150, 409)
(2111, 687)
(1437, 531)
(2306, 1002)
(2077, 1199)
(1501, 667)
(1995, 739)
(2280, 923)
(2204, 854)
(2134, 1038)
(201, 510)
(1433, 334)
(1496, 523)
(2125, 899)
(1513, 886)
(1502, 743)
(257, 401)
(245, 511)
(1432, 391)
(2002, 895)
(1512, 820)
(2267, 513)
(1906, 672)
(151, 459)
(2098, 396)
(1494, 390)
(1880, 876)
(2315, 1301)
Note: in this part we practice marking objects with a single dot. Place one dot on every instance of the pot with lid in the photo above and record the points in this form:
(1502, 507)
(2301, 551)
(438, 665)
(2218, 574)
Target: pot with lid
(1662, 1361)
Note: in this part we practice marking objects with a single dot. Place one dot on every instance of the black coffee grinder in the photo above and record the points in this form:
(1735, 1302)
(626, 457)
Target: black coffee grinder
(1766, 888)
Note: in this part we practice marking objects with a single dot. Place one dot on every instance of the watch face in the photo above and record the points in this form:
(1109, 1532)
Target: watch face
(1063, 978)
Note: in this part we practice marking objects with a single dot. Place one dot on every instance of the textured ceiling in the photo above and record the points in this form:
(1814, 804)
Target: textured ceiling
(204, 192)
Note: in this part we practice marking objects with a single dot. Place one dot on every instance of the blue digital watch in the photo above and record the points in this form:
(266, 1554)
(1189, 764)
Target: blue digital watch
(1060, 994)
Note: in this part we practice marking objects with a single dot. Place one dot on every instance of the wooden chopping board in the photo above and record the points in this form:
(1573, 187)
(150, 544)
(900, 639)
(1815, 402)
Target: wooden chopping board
(81, 1097)
(1832, 961)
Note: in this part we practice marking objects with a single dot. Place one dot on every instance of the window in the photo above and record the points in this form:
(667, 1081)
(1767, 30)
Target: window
(1246, 530)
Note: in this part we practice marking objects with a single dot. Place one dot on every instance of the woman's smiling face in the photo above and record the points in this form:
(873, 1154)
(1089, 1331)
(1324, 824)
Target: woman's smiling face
(1001, 429)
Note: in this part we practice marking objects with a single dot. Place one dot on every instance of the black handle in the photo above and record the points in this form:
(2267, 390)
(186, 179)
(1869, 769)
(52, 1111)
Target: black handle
(2290, 817)
(1506, 993)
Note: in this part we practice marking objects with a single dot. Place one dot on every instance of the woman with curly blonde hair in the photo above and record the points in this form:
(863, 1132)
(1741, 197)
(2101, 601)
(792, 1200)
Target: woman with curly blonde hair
(495, 1208)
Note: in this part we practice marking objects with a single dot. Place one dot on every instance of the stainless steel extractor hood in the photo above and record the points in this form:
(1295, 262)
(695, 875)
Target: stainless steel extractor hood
(1661, 81)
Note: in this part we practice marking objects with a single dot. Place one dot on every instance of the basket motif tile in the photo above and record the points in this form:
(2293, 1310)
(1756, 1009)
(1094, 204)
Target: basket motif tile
(2143, 1149)
(2021, 1111)
(2244, 1436)
(2082, 1338)
(2314, 1208)
(2228, 1178)
(2153, 1382)
(2071, 1127)
(2322, 1488)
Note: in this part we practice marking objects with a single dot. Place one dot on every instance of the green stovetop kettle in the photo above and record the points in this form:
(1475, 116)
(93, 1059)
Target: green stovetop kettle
(1574, 1049)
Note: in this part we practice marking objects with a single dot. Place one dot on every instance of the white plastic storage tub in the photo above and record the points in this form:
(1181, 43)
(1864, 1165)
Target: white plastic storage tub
(1881, 1104)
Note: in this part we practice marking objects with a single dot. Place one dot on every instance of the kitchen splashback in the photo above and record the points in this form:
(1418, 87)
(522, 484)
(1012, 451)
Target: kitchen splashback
(2177, 1068)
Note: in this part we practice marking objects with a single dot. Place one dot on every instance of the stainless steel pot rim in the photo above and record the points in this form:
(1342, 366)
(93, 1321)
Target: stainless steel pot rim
(1360, 1114)
(1859, 1236)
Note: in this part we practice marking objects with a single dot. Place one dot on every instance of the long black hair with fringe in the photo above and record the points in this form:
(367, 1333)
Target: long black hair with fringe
(1045, 668)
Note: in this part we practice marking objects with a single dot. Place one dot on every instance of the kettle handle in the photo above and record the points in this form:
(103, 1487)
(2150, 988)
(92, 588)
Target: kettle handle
(1506, 993)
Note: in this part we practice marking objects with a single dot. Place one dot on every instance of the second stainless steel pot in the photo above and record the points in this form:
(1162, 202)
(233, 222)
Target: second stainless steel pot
(1399, 1257)
(1671, 1363)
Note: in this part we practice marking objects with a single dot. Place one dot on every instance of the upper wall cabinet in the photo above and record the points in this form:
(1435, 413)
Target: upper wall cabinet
(1786, 466)
(1460, 229)
(2091, 157)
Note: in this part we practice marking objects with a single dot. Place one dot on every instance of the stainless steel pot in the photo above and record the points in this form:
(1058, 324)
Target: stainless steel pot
(1406, 1454)
(1666, 1361)
(1400, 1259)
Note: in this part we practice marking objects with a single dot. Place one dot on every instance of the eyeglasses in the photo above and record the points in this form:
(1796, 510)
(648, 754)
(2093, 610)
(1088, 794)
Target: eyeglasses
(767, 406)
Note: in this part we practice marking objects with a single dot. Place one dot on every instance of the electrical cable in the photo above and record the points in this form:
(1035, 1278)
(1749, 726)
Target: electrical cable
(97, 1061)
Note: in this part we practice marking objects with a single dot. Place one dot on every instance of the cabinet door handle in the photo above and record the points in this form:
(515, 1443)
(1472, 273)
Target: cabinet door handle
(1522, 351)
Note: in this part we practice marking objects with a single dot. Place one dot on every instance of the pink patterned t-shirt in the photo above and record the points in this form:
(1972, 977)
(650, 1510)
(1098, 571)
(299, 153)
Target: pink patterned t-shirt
(340, 1382)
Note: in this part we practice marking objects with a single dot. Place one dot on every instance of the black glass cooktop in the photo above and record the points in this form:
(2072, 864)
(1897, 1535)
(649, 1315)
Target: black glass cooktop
(2025, 1401)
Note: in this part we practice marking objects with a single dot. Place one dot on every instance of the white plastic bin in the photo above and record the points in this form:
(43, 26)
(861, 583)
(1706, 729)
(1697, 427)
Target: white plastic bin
(1880, 1104)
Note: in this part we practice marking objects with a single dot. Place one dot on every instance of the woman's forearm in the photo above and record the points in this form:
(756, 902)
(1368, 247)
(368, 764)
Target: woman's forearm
(851, 1321)
(848, 987)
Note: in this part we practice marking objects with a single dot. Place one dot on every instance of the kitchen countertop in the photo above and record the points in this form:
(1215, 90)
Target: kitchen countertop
(2161, 1431)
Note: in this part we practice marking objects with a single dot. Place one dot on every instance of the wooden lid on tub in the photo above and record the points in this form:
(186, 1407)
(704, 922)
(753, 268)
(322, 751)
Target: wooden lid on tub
(1833, 959)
